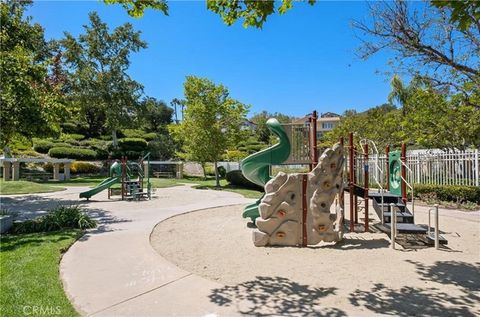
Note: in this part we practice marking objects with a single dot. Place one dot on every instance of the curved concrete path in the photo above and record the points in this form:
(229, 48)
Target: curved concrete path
(114, 271)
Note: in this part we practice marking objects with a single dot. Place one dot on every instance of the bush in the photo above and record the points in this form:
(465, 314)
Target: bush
(453, 193)
(62, 217)
(133, 144)
(236, 178)
(234, 155)
(209, 170)
(222, 172)
(72, 136)
(43, 146)
(79, 167)
(72, 153)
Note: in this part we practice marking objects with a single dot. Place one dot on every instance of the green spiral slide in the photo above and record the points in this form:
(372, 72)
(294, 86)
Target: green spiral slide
(256, 166)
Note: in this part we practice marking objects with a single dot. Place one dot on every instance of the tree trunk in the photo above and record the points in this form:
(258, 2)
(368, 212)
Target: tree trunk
(114, 139)
(217, 178)
(204, 171)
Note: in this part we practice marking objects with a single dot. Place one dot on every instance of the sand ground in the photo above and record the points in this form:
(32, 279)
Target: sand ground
(360, 274)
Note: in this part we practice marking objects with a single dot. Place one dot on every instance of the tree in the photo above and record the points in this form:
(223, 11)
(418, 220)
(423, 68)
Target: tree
(464, 13)
(211, 123)
(177, 102)
(425, 44)
(260, 119)
(31, 104)
(155, 115)
(253, 12)
(97, 63)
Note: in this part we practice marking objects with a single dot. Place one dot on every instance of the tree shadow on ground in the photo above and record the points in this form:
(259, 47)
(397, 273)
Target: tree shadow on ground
(275, 296)
(355, 243)
(461, 274)
(428, 301)
(12, 242)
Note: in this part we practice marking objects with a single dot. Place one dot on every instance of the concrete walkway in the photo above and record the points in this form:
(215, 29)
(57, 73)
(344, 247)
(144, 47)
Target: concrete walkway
(114, 271)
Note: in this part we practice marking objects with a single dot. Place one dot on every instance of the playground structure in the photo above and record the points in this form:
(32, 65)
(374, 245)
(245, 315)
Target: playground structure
(291, 211)
(130, 175)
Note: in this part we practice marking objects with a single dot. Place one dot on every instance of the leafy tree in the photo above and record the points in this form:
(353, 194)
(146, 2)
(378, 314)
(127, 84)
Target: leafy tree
(155, 115)
(425, 44)
(177, 102)
(97, 63)
(211, 123)
(31, 103)
(253, 12)
(464, 13)
(260, 120)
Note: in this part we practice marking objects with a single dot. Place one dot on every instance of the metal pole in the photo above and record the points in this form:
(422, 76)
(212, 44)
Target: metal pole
(387, 153)
(350, 179)
(477, 174)
(365, 196)
(403, 159)
(437, 241)
(393, 225)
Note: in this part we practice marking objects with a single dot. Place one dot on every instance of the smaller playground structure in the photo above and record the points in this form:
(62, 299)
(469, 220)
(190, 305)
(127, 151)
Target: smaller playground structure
(130, 175)
(295, 209)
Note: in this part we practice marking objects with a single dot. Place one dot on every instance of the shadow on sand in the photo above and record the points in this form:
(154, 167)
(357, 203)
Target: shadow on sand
(275, 296)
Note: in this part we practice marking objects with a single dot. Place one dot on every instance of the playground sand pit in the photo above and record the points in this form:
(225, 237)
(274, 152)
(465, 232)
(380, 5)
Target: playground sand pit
(358, 276)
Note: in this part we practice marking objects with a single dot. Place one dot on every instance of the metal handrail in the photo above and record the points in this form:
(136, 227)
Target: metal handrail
(377, 166)
(437, 230)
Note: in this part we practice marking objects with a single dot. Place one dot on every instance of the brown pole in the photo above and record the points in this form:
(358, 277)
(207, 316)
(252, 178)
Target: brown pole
(355, 163)
(365, 197)
(350, 179)
(387, 152)
(341, 194)
(403, 158)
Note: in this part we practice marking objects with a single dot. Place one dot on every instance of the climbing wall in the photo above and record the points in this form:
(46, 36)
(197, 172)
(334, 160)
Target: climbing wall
(296, 208)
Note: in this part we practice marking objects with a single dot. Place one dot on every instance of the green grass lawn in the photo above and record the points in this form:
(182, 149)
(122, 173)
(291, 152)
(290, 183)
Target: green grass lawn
(30, 274)
(24, 187)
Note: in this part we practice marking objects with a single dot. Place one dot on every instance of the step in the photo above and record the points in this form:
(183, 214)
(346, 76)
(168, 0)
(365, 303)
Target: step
(431, 238)
(408, 228)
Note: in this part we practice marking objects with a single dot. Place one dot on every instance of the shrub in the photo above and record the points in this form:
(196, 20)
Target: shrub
(236, 178)
(453, 193)
(72, 136)
(79, 167)
(72, 153)
(222, 172)
(209, 170)
(62, 217)
(133, 144)
(42, 146)
(234, 155)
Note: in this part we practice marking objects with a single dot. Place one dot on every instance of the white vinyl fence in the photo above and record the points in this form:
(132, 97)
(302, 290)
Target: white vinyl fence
(432, 167)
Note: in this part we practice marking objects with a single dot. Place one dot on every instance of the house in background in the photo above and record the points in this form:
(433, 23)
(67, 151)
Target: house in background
(325, 122)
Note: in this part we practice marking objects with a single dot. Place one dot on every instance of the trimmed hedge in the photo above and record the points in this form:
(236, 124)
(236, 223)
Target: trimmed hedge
(453, 193)
(133, 144)
(72, 153)
(79, 167)
(43, 146)
(236, 178)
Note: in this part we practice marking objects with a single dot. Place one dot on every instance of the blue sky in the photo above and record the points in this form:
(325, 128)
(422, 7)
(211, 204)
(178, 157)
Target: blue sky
(304, 60)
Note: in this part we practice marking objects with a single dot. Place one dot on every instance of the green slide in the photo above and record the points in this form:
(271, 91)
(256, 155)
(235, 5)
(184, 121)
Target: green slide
(106, 183)
(256, 166)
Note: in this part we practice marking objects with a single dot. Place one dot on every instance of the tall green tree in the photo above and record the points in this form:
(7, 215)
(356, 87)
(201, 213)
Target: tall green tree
(97, 63)
(154, 115)
(211, 123)
(260, 119)
(253, 12)
(31, 103)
